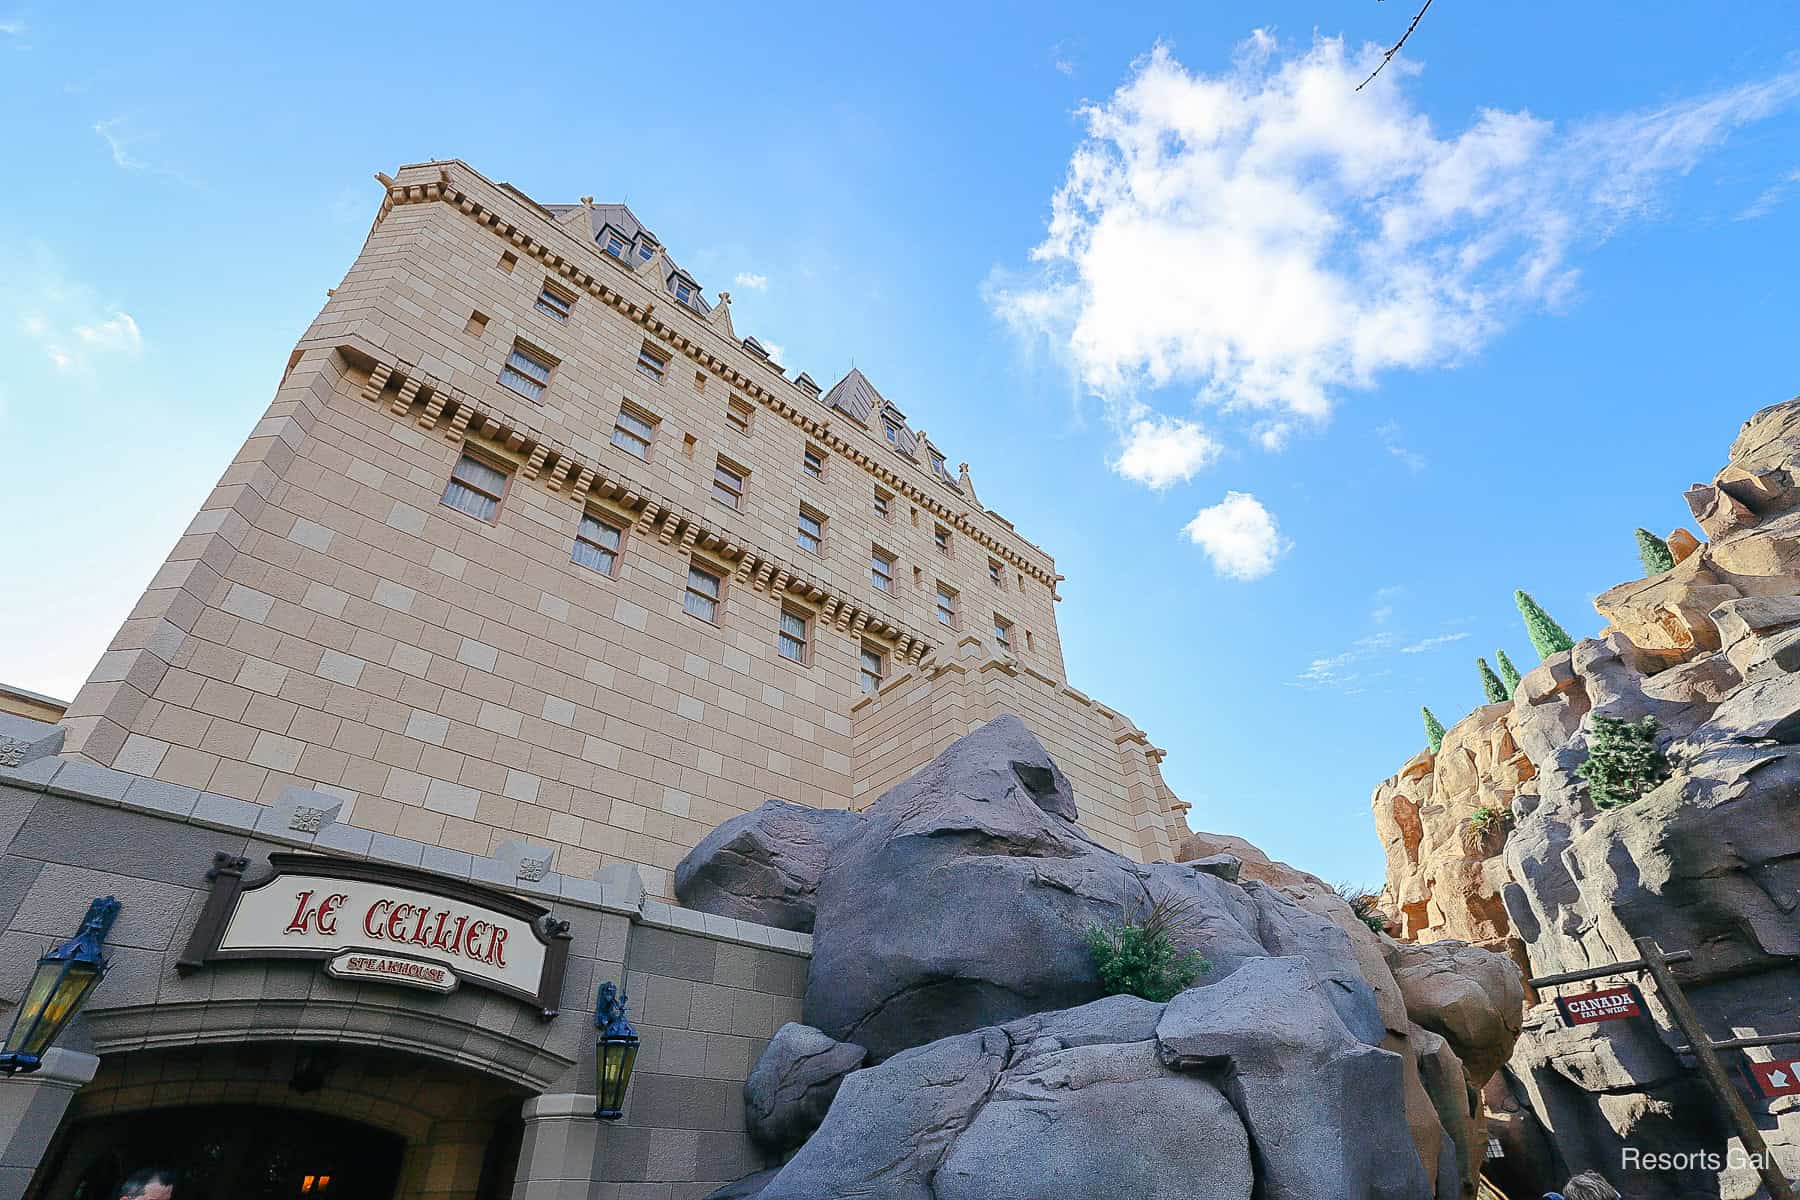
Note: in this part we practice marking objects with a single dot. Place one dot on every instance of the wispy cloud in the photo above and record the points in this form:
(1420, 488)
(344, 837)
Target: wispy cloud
(119, 142)
(12, 27)
(1369, 660)
(1432, 643)
(63, 318)
(1240, 537)
(1267, 239)
(1389, 433)
(1062, 60)
(753, 281)
(1771, 198)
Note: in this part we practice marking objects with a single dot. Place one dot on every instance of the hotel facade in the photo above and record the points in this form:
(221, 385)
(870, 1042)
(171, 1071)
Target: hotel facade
(534, 571)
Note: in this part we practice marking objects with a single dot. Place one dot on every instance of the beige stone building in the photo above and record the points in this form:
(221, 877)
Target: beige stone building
(532, 546)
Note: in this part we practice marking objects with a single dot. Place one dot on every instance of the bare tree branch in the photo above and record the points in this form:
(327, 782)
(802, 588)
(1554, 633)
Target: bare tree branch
(1395, 48)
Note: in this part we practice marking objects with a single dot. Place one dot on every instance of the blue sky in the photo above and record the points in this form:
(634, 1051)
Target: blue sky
(1297, 382)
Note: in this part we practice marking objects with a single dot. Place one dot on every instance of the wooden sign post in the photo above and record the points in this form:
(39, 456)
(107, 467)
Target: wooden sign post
(1617, 1003)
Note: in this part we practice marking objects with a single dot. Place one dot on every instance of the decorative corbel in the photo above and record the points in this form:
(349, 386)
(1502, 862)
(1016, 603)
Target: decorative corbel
(646, 519)
(671, 521)
(560, 475)
(458, 429)
(745, 566)
(583, 482)
(762, 576)
(378, 380)
(534, 466)
(434, 408)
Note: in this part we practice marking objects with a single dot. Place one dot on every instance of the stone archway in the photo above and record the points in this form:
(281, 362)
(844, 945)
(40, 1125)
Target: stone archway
(453, 1132)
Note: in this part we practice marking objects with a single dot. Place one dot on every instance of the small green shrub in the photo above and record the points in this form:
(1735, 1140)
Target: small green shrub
(1546, 635)
(1487, 818)
(1362, 902)
(1508, 672)
(1434, 730)
(1654, 552)
(1137, 957)
(1491, 687)
(1623, 762)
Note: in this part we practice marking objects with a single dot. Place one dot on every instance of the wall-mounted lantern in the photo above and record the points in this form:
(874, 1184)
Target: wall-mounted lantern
(63, 979)
(615, 1053)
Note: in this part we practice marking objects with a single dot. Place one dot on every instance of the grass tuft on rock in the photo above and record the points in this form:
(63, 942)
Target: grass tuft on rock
(1137, 956)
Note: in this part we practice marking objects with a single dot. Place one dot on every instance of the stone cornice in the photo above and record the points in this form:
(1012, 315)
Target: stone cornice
(579, 274)
(433, 405)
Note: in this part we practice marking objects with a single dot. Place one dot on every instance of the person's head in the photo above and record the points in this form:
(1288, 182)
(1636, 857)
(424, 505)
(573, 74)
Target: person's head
(152, 1183)
(1589, 1185)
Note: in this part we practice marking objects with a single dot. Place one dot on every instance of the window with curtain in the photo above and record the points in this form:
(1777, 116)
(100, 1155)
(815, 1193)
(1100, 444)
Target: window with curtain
(525, 373)
(597, 544)
(791, 638)
(475, 488)
(703, 592)
(632, 433)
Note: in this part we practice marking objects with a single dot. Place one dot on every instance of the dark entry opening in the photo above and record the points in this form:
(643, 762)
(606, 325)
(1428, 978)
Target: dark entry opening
(229, 1153)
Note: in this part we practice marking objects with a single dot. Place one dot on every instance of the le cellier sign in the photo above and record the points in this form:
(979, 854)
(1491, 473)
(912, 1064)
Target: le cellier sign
(382, 924)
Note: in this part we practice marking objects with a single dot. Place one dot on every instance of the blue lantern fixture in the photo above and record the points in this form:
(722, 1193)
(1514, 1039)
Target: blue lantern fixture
(615, 1053)
(63, 979)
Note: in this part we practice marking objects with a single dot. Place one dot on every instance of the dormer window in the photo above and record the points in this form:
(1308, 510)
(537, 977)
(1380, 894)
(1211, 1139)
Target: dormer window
(615, 245)
(646, 251)
(892, 429)
(683, 292)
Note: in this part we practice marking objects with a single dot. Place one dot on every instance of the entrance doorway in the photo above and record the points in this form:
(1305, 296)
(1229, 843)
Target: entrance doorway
(230, 1153)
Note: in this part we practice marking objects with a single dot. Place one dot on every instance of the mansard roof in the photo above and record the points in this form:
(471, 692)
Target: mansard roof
(621, 220)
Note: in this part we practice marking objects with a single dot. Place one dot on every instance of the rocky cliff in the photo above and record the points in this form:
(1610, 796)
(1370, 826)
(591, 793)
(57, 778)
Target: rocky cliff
(1496, 840)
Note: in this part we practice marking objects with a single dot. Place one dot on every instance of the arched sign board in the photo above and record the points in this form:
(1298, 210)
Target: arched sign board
(376, 923)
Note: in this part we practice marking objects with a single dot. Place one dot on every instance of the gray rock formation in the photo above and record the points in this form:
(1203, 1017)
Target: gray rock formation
(765, 865)
(948, 938)
(792, 1084)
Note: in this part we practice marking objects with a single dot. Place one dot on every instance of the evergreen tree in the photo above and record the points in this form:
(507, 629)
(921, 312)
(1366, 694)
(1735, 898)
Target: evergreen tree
(1546, 635)
(1655, 553)
(1623, 762)
(1434, 730)
(1508, 672)
(1491, 687)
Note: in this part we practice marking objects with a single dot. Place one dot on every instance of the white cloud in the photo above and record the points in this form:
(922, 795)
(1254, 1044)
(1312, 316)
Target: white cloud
(1160, 451)
(1239, 535)
(1432, 643)
(119, 142)
(753, 281)
(62, 317)
(12, 27)
(1062, 60)
(1268, 238)
(776, 350)
(117, 334)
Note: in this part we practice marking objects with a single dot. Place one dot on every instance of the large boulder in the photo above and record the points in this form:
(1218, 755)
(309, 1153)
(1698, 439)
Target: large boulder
(792, 1084)
(963, 898)
(1472, 998)
(1305, 1085)
(1078, 1104)
(764, 866)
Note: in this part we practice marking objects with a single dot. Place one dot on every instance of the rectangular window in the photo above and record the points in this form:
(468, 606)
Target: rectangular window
(814, 463)
(738, 414)
(683, 292)
(597, 544)
(874, 669)
(525, 373)
(615, 245)
(892, 430)
(652, 362)
(1003, 632)
(632, 433)
(554, 302)
(941, 536)
(728, 484)
(810, 534)
(475, 488)
(884, 504)
(646, 251)
(791, 638)
(996, 574)
(946, 606)
(881, 570)
(703, 594)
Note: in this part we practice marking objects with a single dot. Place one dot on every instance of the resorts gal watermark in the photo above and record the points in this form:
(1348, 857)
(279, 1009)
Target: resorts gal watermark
(1735, 1158)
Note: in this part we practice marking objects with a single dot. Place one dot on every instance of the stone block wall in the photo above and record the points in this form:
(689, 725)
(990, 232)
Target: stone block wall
(1119, 789)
